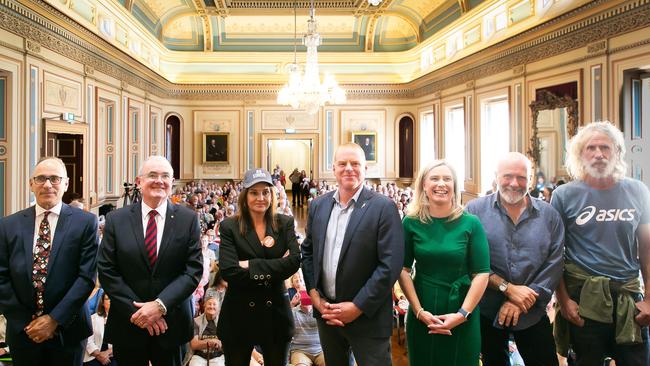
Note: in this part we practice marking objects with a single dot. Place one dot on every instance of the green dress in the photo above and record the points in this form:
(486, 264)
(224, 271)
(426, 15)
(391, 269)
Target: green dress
(445, 254)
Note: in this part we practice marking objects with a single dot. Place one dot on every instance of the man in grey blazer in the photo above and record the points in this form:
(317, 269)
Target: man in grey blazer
(352, 256)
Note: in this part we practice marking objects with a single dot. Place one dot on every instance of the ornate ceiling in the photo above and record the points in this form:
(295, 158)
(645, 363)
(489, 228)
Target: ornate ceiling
(268, 25)
(252, 41)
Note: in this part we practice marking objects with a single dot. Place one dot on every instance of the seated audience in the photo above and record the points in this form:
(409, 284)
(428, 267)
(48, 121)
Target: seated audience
(217, 288)
(205, 345)
(97, 351)
(297, 285)
(4, 347)
(305, 348)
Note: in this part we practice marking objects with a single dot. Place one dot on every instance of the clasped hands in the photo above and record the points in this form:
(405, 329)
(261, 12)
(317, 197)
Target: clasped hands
(41, 328)
(103, 357)
(570, 310)
(440, 324)
(336, 314)
(149, 317)
(520, 300)
(212, 345)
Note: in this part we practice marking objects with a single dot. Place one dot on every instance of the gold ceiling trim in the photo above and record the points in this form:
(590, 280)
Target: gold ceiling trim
(62, 35)
(507, 55)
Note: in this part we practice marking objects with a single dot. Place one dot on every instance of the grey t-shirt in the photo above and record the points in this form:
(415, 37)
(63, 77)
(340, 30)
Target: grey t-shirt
(601, 226)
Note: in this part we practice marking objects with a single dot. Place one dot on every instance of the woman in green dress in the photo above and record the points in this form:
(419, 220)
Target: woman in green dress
(452, 266)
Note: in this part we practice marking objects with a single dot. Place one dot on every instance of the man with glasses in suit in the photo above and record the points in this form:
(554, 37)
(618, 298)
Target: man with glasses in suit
(54, 243)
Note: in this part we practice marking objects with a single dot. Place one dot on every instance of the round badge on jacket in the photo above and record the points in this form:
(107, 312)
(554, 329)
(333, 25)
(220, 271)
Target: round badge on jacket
(268, 242)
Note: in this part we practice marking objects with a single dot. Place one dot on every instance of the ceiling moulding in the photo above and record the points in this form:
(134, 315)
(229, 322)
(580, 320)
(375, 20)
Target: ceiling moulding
(288, 4)
(619, 19)
(593, 22)
(265, 91)
(62, 35)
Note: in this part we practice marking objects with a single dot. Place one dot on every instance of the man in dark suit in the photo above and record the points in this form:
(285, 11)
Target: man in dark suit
(54, 243)
(352, 256)
(368, 149)
(149, 264)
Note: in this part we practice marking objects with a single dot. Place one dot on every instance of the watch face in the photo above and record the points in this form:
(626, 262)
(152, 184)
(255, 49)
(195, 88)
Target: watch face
(503, 286)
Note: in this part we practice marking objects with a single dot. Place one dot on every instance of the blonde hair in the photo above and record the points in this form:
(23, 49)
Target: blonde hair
(419, 206)
(574, 164)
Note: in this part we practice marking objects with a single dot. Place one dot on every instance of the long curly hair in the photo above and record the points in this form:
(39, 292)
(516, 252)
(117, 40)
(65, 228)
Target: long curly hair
(574, 164)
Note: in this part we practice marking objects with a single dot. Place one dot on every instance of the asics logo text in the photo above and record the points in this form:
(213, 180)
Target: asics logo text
(614, 214)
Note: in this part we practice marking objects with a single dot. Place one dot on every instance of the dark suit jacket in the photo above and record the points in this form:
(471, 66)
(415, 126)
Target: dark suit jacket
(70, 274)
(126, 275)
(371, 258)
(256, 306)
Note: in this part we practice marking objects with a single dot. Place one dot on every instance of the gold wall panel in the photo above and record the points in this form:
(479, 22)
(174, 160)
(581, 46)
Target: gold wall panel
(280, 120)
(61, 94)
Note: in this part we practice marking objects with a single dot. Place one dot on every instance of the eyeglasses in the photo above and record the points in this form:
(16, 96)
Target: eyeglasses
(54, 179)
(156, 176)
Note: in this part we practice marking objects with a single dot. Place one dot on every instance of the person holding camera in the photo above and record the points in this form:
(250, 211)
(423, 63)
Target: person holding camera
(205, 344)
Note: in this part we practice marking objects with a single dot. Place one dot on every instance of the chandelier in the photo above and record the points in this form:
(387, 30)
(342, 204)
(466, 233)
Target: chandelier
(305, 90)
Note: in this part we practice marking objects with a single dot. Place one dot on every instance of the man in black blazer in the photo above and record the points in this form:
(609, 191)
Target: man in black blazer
(54, 244)
(150, 263)
(352, 256)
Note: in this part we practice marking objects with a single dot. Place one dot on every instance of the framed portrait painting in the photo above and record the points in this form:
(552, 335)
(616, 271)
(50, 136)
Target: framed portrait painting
(215, 147)
(368, 142)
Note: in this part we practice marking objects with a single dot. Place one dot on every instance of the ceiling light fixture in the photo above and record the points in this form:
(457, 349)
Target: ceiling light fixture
(305, 91)
(374, 2)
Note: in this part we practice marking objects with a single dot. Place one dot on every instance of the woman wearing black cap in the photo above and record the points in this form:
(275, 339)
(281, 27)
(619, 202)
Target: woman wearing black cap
(258, 252)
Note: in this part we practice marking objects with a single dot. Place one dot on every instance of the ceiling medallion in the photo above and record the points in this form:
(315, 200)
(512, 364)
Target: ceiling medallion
(305, 90)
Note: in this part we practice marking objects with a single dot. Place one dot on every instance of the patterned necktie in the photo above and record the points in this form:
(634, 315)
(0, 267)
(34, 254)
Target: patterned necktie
(151, 238)
(41, 255)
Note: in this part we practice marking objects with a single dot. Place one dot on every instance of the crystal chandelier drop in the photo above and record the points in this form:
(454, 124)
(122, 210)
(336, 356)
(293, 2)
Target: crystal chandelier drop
(305, 90)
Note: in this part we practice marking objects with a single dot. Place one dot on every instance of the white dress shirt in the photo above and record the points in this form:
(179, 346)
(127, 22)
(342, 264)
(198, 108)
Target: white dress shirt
(336, 228)
(160, 221)
(52, 218)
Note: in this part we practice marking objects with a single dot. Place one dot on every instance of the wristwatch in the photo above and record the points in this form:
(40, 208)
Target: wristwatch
(464, 313)
(503, 286)
(161, 306)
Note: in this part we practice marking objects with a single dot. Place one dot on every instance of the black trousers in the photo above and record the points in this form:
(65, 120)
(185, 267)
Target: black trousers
(239, 354)
(47, 353)
(535, 344)
(296, 194)
(149, 351)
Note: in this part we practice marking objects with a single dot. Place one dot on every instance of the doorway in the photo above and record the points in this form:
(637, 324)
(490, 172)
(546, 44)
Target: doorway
(173, 143)
(68, 148)
(290, 154)
(67, 142)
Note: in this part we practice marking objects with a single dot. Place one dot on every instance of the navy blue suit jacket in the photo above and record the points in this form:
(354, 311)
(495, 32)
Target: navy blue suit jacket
(70, 275)
(127, 276)
(371, 258)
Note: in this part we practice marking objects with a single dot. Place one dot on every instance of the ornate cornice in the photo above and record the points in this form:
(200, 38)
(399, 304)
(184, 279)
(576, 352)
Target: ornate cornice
(54, 32)
(84, 47)
(587, 32)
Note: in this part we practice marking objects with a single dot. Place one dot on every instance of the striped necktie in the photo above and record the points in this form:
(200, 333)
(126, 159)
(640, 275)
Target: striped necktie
(41, 255)
(150, 239)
